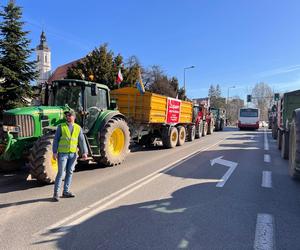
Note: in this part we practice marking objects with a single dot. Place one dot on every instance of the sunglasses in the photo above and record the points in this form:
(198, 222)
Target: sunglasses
(68, 115)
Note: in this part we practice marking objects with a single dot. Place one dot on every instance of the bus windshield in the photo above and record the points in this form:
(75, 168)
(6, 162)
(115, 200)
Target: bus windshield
(249, 113)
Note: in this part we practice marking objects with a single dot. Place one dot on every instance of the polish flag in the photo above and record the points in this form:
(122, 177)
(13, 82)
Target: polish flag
(119, 77)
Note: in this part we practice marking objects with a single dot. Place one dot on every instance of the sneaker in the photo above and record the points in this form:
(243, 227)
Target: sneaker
(55, 198)
(68, 195)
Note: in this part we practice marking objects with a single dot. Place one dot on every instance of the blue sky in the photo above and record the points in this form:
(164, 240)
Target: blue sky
(231, 42)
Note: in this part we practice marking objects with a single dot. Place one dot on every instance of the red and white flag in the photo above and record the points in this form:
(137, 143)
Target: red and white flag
(119, 77)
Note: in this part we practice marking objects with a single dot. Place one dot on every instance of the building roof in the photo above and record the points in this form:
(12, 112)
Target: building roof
(61, 71)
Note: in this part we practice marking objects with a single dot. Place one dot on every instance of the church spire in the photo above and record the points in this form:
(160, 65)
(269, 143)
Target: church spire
(43, 43)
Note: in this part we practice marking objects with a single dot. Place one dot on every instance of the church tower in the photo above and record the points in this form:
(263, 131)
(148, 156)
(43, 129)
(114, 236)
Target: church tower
(43, 60)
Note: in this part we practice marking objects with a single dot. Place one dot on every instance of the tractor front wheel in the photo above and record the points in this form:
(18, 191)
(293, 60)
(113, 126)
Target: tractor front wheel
(114, 142)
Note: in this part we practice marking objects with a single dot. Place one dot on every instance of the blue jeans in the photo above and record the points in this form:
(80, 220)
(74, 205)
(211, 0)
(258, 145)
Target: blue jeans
(66, 162)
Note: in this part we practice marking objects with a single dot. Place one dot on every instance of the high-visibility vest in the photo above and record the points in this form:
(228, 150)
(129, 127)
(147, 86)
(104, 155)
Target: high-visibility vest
(68, 143)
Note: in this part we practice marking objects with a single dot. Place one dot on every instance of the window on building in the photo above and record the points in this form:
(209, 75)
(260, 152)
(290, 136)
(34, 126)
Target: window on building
(46, 58)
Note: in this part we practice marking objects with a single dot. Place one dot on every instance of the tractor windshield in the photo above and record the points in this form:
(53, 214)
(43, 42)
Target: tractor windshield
(69, 95)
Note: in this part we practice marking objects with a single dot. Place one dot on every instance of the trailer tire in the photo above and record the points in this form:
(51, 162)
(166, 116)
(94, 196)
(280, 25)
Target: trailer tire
(181, 135)
(42, 166)
(205, 128)
(170, 140)
(285, 145)
(114, 142)
(191, 132)
(279, 139)
(294, 146)
(199, 130)
(211, 127)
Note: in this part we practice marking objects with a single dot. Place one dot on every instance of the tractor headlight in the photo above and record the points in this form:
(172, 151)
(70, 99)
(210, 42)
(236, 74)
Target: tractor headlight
(13, 129)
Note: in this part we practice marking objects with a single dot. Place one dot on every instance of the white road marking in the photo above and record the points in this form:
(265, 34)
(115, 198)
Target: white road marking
(267, 158)
(189, 235)
(61, 227)
(264, 234)
(266, 143)
(183, 244)
(267, 179)
(232, 165)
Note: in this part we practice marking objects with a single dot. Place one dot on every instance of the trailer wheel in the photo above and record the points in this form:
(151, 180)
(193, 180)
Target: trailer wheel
(181, 135)
(199, 130)
(191, 132)
(170, 140)
(114, 142)
(205, 128)
(42, 166)
(285, 145)
(279, 139)
(294, 146)
(211, 127)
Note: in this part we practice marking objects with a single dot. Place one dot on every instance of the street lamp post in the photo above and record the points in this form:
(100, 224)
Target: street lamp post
(184, 69)
(232, 87)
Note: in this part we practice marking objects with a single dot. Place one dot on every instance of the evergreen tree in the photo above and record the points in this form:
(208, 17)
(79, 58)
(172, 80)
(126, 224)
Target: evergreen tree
(100, 63)
(16, 71)
(211, 91)
(214, 93)
(218, 91)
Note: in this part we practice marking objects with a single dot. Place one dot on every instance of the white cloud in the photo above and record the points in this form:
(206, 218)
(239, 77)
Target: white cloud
(280, 71)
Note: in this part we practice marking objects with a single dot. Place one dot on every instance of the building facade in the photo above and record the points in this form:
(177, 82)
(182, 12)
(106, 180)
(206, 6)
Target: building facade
(43, 60)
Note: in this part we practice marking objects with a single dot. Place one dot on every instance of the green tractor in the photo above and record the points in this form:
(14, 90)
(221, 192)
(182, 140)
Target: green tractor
(30, 130)
(219, 115)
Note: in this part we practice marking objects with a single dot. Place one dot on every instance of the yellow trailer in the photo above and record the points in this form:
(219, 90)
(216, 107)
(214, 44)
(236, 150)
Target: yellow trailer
(151, 116)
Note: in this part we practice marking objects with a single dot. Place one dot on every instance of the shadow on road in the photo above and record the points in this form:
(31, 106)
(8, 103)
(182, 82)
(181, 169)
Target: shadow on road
(192, 219)
(25, 202)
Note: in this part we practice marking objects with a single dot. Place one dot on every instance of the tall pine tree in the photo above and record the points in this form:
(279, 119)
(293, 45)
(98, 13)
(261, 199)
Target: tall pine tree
(16, 71)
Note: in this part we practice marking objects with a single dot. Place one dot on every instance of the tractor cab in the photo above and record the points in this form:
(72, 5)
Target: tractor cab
(86, 98)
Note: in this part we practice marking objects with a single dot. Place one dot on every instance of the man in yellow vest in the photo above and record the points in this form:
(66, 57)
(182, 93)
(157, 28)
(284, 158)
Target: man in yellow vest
(67, 137)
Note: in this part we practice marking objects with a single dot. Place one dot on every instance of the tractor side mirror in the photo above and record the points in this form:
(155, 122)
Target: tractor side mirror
(93, 89)
(113, 104)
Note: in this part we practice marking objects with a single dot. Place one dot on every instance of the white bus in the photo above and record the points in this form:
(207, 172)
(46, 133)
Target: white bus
(248, 118)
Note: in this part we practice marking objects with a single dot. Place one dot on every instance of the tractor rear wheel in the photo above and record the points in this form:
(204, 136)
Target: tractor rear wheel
(211, 127)
(205, 128)
(199, 130)
(114, 142)
(191, 133)
(221, 125)
(294, 147)
(42, 165)
(181, 135)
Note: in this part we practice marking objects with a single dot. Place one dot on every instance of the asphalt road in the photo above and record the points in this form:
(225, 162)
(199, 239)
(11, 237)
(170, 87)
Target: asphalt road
(229, 190)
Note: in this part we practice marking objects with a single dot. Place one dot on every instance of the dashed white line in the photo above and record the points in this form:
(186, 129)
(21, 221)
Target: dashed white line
(264, 234)
(267, 179)
(266, 143)
(267, 158)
